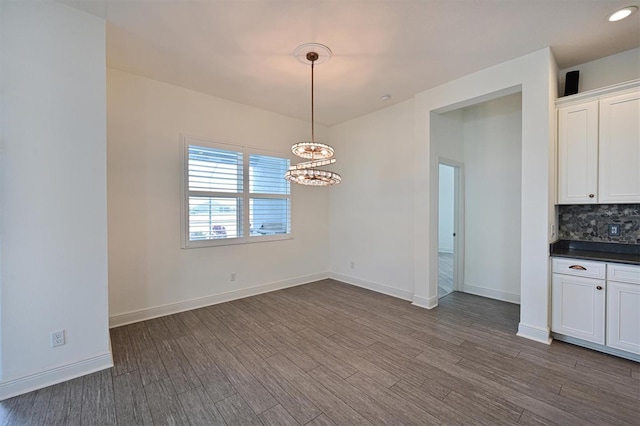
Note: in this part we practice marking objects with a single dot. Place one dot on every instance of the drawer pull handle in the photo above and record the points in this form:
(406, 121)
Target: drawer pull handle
(581, 268)
(599, 287)
(591, 195)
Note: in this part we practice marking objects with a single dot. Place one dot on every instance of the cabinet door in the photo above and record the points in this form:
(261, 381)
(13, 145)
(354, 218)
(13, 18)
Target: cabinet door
(619, 148)
(578, 154)
(623, 316)
(578, 307)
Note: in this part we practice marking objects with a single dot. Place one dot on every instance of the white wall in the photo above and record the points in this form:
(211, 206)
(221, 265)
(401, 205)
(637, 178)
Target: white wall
(446, 210)
(53, 195)
(371, 210)
(492, 162)
(448, 136)
(605, 71)
(149, 274)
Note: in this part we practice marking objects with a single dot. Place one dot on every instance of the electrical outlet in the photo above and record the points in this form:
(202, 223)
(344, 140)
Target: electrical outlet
(614, 230)
(233, 276)
(57, 338)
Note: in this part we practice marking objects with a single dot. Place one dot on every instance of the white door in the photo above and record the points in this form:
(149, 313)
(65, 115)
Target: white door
(578, 154)
(578, 305)
(623, 316)
(619, 147)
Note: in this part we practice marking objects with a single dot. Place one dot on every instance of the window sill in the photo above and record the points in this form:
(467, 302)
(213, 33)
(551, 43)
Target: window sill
(236, 241)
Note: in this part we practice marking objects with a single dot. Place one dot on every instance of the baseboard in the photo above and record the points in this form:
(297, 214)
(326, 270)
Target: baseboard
(186, 305)
(425, 302)
(369, 285)
(597, 347)
(542, 335)
(492, 294)
(14, 387)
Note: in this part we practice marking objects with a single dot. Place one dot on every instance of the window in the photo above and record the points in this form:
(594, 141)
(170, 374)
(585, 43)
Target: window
(233, 195)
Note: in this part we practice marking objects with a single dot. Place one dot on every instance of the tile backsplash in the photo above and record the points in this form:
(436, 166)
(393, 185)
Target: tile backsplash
(590, 222)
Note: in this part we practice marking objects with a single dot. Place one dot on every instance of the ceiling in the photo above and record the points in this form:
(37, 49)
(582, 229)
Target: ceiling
(241, 50)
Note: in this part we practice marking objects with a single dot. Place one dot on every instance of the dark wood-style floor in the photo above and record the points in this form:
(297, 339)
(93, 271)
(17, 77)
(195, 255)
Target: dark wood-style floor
(445, 274)
(327, 353)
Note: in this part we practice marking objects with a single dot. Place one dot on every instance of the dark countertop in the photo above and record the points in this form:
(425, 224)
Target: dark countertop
(590, 250)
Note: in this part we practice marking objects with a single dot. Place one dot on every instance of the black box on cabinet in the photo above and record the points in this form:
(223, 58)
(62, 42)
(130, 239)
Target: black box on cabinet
(571, 83)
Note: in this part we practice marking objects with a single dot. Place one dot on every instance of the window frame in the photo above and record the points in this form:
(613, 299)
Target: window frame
(246, 195)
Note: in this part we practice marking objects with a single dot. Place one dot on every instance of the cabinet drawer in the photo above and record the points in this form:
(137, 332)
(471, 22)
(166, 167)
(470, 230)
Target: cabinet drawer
(623, 273)
(579, 268)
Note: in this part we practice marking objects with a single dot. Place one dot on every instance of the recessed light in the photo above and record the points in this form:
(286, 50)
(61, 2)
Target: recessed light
(620, 14)
(385, 97)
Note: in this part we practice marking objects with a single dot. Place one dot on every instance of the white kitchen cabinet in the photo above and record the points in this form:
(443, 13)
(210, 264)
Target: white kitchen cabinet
(578, 305)
(597, 305)
(619, 149)
(623, 307)
(599, 146)
(578, 154)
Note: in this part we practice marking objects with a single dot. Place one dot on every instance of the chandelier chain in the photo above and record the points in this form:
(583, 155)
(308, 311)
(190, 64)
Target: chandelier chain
(313, 139)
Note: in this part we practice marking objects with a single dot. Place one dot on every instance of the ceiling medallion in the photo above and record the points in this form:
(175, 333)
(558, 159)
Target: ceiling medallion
(319, 154)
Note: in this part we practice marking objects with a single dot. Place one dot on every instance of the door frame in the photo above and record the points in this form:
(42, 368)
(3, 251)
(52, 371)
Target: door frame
(458, 219)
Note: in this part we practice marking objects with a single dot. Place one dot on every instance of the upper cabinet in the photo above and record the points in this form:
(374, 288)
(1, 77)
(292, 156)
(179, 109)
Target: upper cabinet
(619, 152)
(578, 153)
(599, 146)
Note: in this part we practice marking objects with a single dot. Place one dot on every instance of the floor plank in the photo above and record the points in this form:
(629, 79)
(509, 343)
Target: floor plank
(277, 416)
(237, 412)
(164, 404)
(354, 397)
(199, 408)
(20, 411)
(251, 390)
(300, 408)
(65, 404)
(38, 411)
(402, 409)
(321, 420)
(437, 407)
(217, 328)
(178, 369)
(131, 400)
(124, 359)
(316, 352)
(333, 407)
(98, 403)
(212, 378)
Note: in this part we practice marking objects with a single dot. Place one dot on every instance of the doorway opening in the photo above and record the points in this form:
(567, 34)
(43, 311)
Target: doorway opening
(486, 138)
(449, 226)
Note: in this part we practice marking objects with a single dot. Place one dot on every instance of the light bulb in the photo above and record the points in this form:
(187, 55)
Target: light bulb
(619, 15)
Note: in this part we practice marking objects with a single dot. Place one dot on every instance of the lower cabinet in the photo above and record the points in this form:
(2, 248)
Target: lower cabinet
(623, 316)
(597, 306)
(578, 306)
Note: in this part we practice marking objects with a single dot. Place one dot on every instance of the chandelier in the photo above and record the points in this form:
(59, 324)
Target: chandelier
(318, 154)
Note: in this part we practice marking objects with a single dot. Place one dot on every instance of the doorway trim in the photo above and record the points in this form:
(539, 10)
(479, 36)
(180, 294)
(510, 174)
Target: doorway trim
(458, 220)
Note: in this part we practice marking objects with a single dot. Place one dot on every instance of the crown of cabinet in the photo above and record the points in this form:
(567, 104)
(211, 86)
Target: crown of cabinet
(613, 90)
